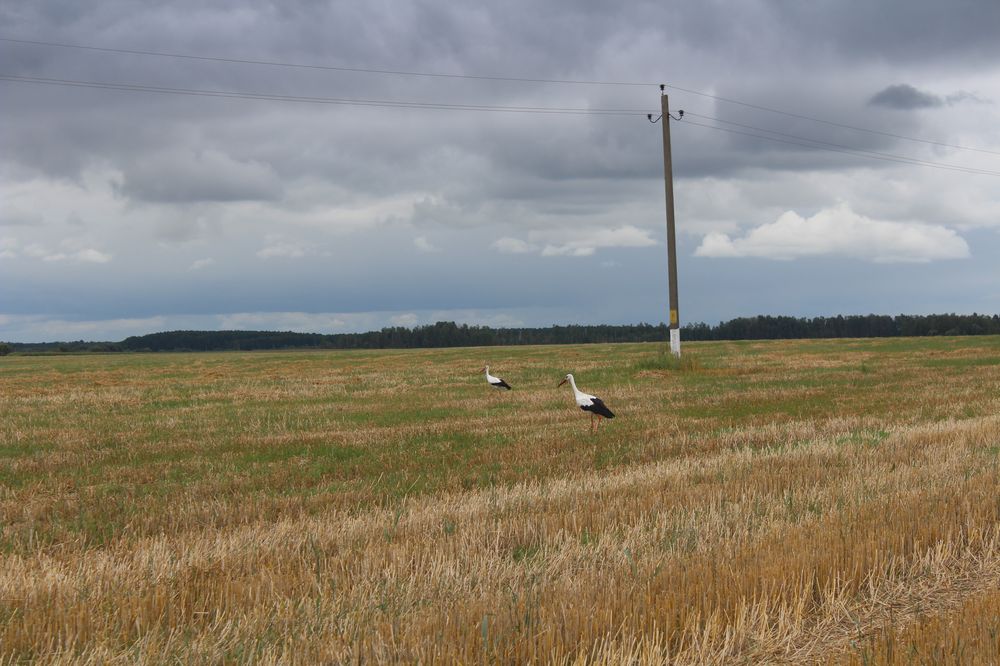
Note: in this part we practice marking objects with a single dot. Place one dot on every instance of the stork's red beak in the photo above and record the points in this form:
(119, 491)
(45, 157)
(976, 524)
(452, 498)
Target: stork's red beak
(561, 383)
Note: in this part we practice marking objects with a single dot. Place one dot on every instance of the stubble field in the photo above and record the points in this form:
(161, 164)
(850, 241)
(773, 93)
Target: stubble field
(793, 501)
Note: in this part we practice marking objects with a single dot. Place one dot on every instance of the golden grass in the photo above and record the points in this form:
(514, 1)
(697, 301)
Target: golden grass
(826, 502)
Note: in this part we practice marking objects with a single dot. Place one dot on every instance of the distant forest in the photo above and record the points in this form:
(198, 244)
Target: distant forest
(450, 334)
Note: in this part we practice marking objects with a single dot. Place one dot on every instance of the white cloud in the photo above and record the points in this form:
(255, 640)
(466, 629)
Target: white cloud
(305, 322)
(341, 322)
(318, 204)
(35, 251)
(509, 245)
(91, 255)
(180, 174)
(424, 245)
(575, 242)
(584, 242)
(408, 319)
(40, 328)
(440, 211)
(839, 231)
(8, 249)
(199, 264)
(19, 218)
(283, 249)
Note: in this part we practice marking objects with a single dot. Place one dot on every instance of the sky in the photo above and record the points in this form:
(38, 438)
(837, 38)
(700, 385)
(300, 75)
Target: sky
(342, 166)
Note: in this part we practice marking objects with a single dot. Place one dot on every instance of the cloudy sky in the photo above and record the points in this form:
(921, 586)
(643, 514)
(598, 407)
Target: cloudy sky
(342, 166)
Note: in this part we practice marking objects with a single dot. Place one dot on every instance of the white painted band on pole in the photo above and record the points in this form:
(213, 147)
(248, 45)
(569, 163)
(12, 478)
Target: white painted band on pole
(675, 342)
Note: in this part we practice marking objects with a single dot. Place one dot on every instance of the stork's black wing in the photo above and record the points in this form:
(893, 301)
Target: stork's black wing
(597, 406)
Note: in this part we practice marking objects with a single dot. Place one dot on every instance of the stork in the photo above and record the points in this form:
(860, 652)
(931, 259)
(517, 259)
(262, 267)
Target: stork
(589, 403)
(495, 382)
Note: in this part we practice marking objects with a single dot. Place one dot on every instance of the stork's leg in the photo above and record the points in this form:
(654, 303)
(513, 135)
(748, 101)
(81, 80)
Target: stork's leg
(599, 417)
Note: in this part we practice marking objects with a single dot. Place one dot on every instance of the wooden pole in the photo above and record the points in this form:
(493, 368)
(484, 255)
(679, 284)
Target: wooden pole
(668, 189)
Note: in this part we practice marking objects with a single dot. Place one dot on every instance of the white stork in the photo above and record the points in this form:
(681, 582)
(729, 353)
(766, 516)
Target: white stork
(495, 382)
(589, 403)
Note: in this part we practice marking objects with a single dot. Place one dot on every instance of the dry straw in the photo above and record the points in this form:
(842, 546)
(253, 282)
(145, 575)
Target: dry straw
(855, 533)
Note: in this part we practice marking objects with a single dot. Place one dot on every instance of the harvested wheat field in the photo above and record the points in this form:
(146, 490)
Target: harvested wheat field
(792, 501)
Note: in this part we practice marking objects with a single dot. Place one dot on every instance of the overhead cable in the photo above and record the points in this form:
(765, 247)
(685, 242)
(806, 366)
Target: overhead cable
(135, 87)
(832, 123)
(850, 151)
(792, 139)
(334, 68)
(367, 70)
(821, 143)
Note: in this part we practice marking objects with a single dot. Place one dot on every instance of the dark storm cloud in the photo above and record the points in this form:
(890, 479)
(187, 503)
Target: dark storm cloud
(905, 97)
(199, 176)
(9, 218)
(899, 32)
(379, 150)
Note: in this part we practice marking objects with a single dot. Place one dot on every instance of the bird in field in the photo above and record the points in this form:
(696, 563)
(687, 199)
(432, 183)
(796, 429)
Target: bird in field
(495, 382)
(589, 403)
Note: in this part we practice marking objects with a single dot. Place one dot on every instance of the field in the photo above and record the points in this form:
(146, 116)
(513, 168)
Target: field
(804, 501)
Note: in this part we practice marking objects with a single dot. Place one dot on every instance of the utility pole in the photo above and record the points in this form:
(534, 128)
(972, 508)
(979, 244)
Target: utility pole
(668, 190)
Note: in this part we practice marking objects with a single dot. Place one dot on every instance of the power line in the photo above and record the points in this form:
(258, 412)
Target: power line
(364, 70)
(832, 123)
(849, 151)
(860, 151)
(334, 68)
(135, 87)
(791, 139)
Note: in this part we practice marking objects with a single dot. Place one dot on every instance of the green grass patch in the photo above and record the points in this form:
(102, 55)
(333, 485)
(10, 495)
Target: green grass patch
(341, 428)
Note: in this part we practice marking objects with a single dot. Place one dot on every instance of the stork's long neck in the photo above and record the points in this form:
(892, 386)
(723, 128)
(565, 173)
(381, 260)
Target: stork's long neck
(572, 383)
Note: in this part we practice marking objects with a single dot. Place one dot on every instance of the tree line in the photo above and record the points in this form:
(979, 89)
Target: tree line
(450, 334)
